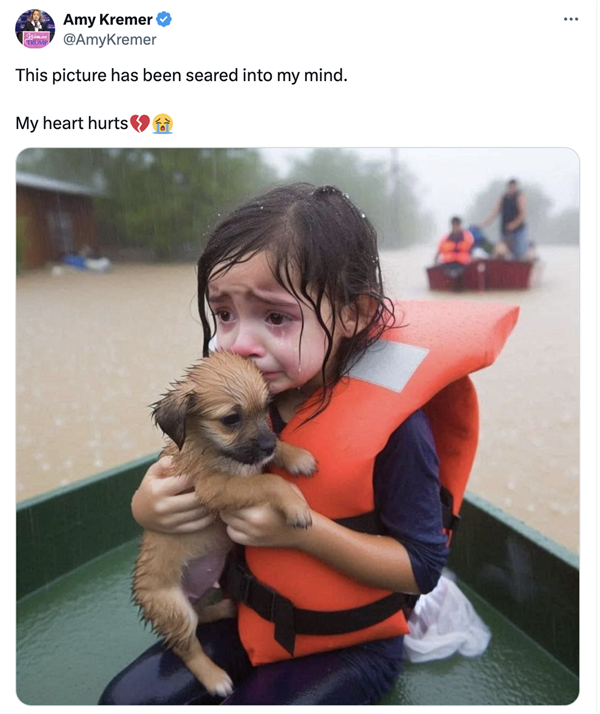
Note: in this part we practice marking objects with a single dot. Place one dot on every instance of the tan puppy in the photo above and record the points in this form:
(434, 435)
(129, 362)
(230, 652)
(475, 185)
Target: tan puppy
(217, 421)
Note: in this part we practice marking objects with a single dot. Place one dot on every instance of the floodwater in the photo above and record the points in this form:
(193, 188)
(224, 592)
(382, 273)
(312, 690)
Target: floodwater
(95, 350)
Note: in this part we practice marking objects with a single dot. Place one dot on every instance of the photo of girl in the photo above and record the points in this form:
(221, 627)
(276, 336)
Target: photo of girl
(292, 282)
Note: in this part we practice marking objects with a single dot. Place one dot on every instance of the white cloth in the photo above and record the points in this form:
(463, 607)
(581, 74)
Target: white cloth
(100, 265)
(444, 622)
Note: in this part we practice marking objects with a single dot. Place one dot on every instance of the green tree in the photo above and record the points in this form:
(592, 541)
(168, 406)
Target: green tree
(160, 199)
(167, 199)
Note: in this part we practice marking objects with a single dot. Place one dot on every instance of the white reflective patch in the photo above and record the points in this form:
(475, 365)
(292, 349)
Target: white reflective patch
(389, 364)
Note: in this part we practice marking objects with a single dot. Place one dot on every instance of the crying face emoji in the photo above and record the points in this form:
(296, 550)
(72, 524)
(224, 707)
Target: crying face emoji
(162, 124)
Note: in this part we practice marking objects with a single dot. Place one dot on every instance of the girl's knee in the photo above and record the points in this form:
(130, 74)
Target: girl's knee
(156, 677)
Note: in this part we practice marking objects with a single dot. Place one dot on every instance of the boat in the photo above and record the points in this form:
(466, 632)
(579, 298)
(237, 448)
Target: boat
(485, 274)
(77, 626)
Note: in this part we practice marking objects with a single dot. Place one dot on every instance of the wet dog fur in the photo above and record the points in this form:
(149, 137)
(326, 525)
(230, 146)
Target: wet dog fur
(217, 422)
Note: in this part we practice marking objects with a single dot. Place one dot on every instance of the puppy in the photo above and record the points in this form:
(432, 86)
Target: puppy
(217, 422)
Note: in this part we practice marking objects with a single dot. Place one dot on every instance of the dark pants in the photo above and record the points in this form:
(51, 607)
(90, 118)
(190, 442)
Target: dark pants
(350, 676)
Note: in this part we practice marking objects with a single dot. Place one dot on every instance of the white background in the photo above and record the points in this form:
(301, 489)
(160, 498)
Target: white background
(412, 67)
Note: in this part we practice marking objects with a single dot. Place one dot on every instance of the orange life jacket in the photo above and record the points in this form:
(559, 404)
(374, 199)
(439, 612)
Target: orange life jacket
(452, 251)
(423, 363)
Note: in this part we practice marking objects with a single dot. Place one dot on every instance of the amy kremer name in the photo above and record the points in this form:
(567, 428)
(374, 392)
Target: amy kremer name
(31, 125)
(106, 19)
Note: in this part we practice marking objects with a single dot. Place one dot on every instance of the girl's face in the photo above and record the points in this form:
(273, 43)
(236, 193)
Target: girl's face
(258, 319)
(36, 16)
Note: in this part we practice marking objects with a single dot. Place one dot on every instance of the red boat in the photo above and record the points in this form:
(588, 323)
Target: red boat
(484, 275)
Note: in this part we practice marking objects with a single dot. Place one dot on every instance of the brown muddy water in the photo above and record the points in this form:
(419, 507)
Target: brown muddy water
(94, 350)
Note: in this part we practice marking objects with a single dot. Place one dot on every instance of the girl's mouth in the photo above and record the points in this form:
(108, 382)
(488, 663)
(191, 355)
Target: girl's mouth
(270, 375)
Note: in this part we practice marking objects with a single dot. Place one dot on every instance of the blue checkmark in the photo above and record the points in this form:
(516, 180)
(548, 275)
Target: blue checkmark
(163, 19)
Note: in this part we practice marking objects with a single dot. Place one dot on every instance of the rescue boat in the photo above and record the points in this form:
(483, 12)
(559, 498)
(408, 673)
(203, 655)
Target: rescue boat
(485, 274)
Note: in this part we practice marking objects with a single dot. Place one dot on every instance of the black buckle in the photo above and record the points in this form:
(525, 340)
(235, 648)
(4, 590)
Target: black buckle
(238, 582)
(282, 615)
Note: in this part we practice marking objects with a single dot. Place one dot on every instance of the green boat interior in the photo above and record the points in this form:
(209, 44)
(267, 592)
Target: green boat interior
(77, 627)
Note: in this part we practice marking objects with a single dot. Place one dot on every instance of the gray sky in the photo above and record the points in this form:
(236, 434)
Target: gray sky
(447, 179)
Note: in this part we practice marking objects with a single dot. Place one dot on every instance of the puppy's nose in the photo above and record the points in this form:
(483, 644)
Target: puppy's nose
(266, 443)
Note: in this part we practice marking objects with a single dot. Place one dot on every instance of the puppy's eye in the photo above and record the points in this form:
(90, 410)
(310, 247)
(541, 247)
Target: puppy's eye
(230, 420)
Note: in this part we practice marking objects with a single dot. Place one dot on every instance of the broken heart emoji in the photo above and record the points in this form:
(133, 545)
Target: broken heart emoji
(140, 123)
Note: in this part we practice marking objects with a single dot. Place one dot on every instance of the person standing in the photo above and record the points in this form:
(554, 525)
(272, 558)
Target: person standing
(512, 209)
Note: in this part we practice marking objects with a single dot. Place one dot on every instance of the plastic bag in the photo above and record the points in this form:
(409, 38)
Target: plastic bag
(444, 622)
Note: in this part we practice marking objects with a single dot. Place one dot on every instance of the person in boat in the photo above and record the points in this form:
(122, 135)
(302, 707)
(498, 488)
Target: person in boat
(512, 209)
(291, 280)
(455, 248)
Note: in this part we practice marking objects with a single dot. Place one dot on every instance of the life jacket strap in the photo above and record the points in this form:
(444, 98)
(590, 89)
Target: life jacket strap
(450, 522)
(370, 523)
(240, 584)
(364, 523)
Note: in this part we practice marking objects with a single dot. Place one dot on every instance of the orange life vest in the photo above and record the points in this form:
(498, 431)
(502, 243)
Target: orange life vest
(452, 251)
(423, 363)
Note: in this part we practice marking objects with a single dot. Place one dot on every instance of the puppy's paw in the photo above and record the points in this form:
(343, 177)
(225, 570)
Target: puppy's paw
(299, 516)
(303, 463)
(217, 681)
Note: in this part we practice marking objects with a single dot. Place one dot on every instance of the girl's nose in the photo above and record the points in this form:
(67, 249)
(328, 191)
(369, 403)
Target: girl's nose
(247, 344)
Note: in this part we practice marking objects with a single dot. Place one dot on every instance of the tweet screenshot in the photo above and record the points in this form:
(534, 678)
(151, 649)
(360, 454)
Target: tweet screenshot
(303, 297)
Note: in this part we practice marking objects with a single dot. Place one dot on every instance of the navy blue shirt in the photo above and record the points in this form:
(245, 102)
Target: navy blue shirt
(406, 483)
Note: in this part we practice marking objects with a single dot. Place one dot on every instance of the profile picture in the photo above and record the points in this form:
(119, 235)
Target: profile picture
(35, 29)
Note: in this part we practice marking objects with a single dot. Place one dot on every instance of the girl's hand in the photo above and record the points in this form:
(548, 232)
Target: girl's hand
(262, 526)
(166, 502)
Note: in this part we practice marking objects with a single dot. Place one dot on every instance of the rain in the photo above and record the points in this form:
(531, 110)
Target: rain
(106, 298)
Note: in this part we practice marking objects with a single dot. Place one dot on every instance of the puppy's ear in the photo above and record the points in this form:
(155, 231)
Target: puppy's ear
(170, 413)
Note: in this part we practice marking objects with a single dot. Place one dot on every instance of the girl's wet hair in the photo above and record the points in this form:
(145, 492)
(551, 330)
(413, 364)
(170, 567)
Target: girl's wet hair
(320, 247)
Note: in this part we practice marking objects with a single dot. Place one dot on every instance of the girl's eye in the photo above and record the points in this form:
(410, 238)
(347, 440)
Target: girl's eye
(276, 318)
(223, 315)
